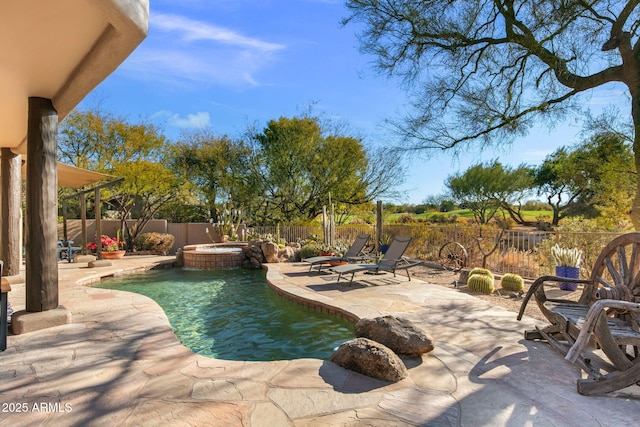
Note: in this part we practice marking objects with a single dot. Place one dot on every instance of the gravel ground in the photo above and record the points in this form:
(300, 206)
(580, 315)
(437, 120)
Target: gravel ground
(507, 299)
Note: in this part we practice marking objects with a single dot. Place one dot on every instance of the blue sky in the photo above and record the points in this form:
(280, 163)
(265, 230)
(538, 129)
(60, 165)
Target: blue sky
(226, 64)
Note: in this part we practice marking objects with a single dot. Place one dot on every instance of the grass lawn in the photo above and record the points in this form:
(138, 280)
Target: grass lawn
(465, 213)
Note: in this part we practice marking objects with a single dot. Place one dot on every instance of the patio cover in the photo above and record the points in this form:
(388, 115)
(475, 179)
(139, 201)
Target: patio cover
(73, 177)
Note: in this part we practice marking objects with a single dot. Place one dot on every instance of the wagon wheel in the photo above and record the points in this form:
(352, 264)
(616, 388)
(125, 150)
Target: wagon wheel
(616, 275)
(453, 256)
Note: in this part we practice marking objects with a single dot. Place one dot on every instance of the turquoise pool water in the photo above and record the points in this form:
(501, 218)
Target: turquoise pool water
(234, 315)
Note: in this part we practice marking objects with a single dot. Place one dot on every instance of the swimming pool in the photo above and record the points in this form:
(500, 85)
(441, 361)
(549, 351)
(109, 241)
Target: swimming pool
(234, 315)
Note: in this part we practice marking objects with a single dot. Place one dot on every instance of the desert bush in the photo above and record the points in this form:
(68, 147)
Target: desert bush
(406, 218)
(506, 223)
(309, 250)
(156, 243)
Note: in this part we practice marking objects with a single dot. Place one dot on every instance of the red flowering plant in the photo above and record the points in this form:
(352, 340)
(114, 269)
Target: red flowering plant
(109, 244)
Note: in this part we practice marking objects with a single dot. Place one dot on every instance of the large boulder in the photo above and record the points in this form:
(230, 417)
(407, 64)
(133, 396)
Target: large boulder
(254, 251)
(285, 254)
(370, 358)
(400, 335)
(270, 251)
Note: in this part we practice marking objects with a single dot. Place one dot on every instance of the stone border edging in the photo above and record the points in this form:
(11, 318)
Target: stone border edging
(296, 294)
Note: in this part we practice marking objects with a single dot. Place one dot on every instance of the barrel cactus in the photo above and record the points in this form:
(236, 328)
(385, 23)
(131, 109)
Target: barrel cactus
(480, 283)
(512, 282)
(482, 272)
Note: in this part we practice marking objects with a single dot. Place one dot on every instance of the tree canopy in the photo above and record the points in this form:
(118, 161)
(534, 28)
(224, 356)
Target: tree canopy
(110, 144)
(297, 166)
(481, 72)
(594, 179)
(486, 188)
(212, 166)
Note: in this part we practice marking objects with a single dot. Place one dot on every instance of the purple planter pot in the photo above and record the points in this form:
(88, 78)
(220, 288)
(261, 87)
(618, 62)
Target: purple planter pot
(568, 272)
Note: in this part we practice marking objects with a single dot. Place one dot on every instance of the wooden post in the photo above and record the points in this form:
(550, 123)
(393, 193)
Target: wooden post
(10, 247)
(42, 206)
(65, 230)
(98, 216)
(325, 230)
(83, 221)
(378, 224)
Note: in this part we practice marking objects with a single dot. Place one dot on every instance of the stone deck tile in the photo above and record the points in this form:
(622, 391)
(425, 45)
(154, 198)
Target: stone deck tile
(119, 363)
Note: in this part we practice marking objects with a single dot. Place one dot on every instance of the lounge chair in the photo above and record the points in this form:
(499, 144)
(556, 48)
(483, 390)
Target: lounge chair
(354, 253)
(392, 261)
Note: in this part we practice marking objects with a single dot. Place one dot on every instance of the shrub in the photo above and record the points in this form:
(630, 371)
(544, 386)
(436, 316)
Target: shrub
(480, 283)
(156, 243)
(406, 218)
(512, 282)
(506, 223)
(309, 250)
(439, 219)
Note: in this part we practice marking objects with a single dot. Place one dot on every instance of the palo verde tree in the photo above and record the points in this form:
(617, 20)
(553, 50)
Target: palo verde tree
(486, 188)
(296, 165)
(213, 166)
(595, 179)
(106, 143)
(486, 71)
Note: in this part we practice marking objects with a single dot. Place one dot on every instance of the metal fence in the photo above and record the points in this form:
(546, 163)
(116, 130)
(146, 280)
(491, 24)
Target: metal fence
(295, 233)
(524, 252)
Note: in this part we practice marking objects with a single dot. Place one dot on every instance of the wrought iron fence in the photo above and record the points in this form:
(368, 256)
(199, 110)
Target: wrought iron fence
(524, 252)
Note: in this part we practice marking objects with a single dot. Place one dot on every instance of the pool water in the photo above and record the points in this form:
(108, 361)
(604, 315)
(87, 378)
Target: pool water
(234, 315)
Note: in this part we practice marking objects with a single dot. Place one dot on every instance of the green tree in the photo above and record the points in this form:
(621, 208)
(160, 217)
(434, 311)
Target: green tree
(295, 168)
(146, 188)
(474, 190)
(486, 188)
(110, 144)
(516, 184)
(557, 180)
(213, 166)
(595, 179)
(481, 72)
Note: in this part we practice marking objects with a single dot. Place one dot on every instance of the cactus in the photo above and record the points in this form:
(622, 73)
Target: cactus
(480, 283)
(482, 272)
(512, 282)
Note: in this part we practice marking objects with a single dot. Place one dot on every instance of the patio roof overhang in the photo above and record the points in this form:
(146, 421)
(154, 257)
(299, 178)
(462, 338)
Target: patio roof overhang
(61, 51)
(73, 177)
(53, 53)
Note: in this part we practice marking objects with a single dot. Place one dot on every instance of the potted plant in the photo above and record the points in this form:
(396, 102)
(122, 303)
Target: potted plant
(339, 249)
(111, 247)
(567, 265)
(327, 250)
(385, 242)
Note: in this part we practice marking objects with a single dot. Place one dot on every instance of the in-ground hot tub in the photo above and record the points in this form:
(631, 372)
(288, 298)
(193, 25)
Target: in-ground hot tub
(215, 256)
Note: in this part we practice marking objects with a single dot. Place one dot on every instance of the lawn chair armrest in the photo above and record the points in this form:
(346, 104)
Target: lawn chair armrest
(597, 309)
(537, 288)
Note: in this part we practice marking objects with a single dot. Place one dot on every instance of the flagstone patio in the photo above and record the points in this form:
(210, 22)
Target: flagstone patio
(119, 363)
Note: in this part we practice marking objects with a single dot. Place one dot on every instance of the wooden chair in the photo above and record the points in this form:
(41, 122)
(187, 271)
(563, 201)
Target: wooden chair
(66, 250)
(606, 316)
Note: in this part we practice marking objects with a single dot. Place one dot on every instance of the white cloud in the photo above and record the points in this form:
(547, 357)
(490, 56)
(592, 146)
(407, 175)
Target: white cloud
(199, 120)
(192, 30)
(180, 51)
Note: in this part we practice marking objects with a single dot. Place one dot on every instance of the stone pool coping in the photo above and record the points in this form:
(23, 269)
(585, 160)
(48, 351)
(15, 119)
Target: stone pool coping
(119, 363)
